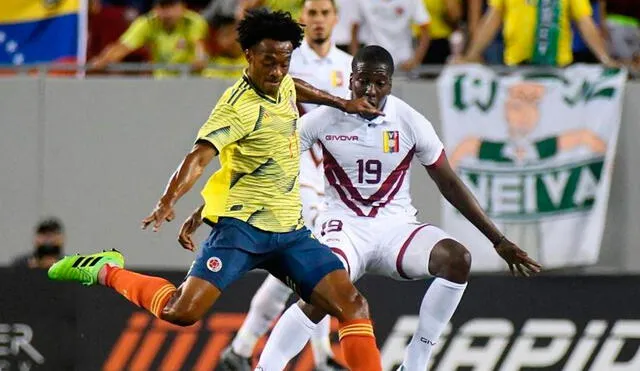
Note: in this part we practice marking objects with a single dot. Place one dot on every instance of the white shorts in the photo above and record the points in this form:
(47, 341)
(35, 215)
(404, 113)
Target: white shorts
(398, 247)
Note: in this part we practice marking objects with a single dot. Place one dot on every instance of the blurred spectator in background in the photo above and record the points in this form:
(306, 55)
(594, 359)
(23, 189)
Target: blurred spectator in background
(108, 20)
(48, 244)
(494, 52)
(533, 39)
(220, 8)
(581, 51)
(445, 17)
(623, 22)
(228, 58)
(389, 25)
(341, 35)
(292, 6)
(173, 33)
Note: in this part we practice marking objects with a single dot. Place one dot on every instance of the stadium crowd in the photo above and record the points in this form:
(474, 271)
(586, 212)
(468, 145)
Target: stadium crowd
(202, 33)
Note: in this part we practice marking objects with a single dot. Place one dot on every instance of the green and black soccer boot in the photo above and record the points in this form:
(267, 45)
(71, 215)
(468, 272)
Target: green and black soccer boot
(84, 268)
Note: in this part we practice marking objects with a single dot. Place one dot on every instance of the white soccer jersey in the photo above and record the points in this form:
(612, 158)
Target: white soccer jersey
(330, 74)
(388, 23)
(367, 163)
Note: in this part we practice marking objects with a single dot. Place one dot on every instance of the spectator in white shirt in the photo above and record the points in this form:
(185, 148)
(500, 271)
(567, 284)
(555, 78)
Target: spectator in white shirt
(388, 24)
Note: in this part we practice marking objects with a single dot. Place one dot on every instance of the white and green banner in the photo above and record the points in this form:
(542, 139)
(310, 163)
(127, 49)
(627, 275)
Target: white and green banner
(537, 150)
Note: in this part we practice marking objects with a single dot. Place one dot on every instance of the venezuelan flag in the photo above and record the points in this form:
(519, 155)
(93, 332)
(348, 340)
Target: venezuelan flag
(42, 31)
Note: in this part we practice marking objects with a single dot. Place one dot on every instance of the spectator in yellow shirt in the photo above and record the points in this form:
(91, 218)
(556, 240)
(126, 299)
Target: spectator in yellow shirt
(292, 6)
(228, 60)
(445, 15)
(174, 35)
(532, 38)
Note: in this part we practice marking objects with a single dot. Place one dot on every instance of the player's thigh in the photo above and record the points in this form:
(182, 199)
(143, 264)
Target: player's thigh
(406, 251)
(302, 262)
(339, 234)
(219, 262)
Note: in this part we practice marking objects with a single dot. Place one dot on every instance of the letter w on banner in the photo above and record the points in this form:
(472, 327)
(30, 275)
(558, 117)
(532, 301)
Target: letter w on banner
(537, 151)
(42, 31)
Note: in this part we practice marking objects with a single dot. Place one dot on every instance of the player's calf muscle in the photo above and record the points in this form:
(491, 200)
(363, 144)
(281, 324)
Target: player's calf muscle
(336, 295)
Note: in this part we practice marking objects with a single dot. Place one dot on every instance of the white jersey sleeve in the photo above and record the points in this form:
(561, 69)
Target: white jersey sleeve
(420, 13)
(428, 144)
(311, 124)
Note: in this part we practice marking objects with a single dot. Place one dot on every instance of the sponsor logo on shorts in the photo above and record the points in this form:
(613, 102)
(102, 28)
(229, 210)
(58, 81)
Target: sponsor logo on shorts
(214, 264)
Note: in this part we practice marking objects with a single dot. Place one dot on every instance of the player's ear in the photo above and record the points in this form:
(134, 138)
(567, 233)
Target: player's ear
(351, 81)
(248, 55)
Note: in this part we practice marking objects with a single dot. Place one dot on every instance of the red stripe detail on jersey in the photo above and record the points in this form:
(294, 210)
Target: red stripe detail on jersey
(442, 158)
(331, 178)
(403, 249)
(333, 170)
(343, 255)
(316, 159)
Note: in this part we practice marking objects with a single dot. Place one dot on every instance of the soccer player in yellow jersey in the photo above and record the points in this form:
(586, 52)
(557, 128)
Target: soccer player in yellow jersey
(252, 202)
(538, 32)
(174, 35)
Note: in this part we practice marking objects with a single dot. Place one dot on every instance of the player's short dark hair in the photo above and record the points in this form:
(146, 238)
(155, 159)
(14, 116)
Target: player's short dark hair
(373, 54)
(49, 225)
(333, 2)
(260, 24)
(166, 2)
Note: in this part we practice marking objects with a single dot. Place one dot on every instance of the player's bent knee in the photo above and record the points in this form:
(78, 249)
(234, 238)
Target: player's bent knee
(354, 307)
(450, 260)
(180, 317)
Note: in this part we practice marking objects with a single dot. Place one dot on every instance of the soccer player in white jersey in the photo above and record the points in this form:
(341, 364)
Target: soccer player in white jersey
(319, 62)
(370, 222)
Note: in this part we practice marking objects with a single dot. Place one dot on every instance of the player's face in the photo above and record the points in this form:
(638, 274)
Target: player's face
(169, 15)
(320, 18)
(269, 64)
(372, 81)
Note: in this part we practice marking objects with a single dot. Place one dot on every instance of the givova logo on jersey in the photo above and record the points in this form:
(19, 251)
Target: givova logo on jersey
(391, 141)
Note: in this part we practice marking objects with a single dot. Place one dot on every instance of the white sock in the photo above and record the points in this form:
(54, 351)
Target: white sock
(320, 342)
(267, 303)
(438, 305)
(287, 339)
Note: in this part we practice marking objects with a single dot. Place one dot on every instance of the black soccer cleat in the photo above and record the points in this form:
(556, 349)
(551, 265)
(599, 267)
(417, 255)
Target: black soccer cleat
(230, 361)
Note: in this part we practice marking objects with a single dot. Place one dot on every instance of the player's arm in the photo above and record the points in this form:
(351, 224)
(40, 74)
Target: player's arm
(224, 126)
(430, 152)
(307, 93)
(181, 182)
(189, 227)
(457, 193)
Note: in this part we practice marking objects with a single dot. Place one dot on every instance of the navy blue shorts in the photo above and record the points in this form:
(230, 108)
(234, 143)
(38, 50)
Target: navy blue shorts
(235, 247)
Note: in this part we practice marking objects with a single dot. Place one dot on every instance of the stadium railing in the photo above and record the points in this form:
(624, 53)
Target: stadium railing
(184, 70)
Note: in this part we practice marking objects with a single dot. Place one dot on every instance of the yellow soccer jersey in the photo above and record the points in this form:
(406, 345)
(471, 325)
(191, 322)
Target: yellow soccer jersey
(175, 46)
(519, 28)
(259, 156)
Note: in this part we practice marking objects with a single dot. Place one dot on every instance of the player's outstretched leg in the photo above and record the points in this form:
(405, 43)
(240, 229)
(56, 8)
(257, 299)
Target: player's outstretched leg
(183, 306)
(450, 262)
(336, 295)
